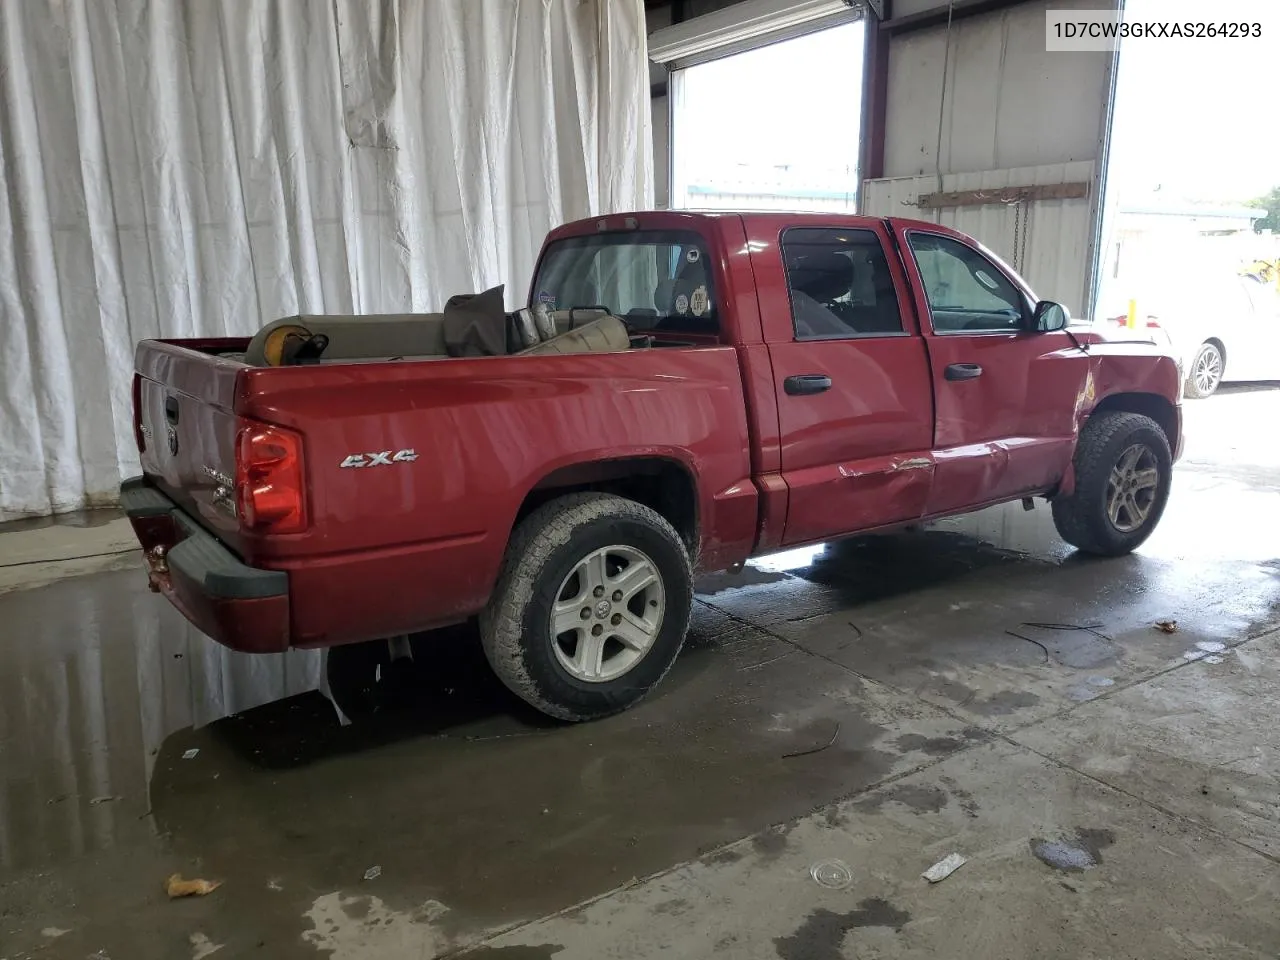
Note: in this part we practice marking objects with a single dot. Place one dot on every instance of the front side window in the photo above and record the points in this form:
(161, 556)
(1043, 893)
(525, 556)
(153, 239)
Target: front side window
(840, 284)
(657, 278)
(966, 292)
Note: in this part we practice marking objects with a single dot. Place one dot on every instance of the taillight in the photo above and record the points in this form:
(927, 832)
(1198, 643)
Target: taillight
(138, 434)
(269, 485)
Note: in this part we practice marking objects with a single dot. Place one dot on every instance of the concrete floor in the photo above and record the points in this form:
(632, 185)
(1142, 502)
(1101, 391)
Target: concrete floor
(974, 688)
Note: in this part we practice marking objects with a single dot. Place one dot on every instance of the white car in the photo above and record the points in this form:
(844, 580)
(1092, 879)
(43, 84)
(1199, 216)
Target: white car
(1221, 329)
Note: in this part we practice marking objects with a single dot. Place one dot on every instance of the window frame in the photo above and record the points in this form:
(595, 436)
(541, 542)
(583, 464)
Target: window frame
(852, 334)
(1028, 299)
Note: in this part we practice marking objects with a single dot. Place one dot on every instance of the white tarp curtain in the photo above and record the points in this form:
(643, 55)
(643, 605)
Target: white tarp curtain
(182, 168)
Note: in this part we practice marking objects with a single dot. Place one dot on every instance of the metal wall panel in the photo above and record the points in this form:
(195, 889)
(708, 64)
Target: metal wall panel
(1009, 113)
(1055, 258)
(1008, 102)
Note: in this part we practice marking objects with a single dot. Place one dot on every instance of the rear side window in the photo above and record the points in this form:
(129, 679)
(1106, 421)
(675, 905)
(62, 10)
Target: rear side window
(966, 292)
(659, 279)
(840, 284)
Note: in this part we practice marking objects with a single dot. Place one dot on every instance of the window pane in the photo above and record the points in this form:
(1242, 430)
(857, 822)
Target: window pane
(965, 290)
(840, 284)
(659, 278)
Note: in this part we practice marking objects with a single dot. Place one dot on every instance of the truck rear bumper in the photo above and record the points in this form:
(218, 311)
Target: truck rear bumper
(239, 606)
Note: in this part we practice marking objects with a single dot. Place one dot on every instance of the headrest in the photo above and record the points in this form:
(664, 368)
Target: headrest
(823, 276)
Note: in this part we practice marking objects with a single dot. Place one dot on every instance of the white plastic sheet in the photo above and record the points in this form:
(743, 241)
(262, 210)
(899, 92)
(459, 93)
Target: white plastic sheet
(180, 168)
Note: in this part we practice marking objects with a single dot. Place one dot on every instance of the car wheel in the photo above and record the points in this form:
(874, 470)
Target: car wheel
(1205, 373)
(591, 607)
(1123, 470)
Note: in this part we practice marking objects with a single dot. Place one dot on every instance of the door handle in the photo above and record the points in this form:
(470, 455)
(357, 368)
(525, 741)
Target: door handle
(963, 371)
(806, 384)
(171, 410)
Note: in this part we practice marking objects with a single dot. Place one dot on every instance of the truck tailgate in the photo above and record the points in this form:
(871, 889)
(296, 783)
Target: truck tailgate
(184, 409)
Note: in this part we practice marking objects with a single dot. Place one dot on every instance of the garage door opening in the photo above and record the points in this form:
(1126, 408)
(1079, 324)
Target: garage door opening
(771, 128)
(1190, 252)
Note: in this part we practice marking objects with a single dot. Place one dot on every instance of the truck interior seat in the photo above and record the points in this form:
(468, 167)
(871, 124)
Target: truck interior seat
(607, 334)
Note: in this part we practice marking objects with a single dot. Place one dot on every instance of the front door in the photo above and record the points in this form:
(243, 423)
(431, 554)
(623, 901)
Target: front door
(1006, 397)
(855, 407)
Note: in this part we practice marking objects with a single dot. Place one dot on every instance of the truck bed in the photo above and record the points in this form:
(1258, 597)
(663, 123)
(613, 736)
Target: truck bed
(417, 471)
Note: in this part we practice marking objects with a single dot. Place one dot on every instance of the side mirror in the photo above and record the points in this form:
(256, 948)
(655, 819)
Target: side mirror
(1049, 316)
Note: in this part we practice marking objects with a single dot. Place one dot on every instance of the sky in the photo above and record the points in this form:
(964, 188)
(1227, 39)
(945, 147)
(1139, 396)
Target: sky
(1199, 119)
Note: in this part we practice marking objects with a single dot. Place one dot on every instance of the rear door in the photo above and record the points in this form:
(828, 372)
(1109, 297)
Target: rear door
(1006, 397)
(855, 407)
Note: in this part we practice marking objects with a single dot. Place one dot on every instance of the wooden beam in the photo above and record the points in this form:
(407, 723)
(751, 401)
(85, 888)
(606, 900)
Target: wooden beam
(975, 198)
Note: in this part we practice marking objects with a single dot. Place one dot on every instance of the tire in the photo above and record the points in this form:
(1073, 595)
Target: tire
(1085, 519)
(553, 555)
(1205, 373)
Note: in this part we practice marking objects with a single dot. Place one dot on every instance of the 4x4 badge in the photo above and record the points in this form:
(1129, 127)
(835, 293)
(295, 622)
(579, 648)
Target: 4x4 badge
(384, 459)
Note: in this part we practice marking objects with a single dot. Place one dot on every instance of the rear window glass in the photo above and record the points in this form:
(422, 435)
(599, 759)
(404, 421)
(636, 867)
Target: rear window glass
(656, 278)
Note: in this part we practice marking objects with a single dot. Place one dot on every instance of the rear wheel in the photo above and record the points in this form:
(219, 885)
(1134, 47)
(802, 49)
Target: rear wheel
(591, 608)
(1206, 372)
(1123, 472)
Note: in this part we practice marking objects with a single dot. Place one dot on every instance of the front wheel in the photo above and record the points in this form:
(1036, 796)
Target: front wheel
(1123, 472)
(591, 607)
(1206, 372)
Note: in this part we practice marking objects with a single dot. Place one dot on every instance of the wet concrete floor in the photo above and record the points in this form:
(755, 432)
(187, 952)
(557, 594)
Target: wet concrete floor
(883, 702)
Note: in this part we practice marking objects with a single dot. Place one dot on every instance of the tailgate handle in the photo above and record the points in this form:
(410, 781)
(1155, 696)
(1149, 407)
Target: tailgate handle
(171, 410)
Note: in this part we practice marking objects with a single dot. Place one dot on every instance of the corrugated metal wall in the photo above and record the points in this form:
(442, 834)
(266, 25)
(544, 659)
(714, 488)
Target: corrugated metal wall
(1008, 102)
(1054, 255)
(1009, 114)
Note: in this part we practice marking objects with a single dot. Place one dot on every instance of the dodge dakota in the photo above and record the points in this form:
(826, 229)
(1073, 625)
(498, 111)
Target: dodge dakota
(684, 391)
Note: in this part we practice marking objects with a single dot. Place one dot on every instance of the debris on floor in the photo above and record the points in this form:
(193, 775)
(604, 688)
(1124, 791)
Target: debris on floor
(945, 867)
(177, 887)
(1167, 626)
(832, 874)
(191, 754)
(202, 946)
(373, 873)
(97, 800)
(812, 750)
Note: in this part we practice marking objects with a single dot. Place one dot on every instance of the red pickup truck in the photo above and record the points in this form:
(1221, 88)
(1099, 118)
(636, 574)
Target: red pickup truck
(704, 388)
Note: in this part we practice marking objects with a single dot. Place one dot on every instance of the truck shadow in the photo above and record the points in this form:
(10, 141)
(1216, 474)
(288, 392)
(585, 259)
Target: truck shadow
(447, 690)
